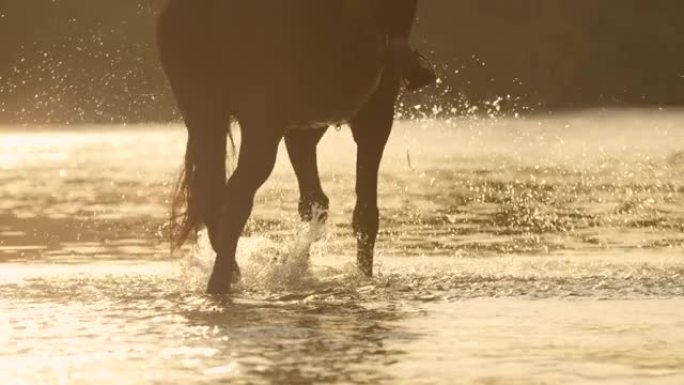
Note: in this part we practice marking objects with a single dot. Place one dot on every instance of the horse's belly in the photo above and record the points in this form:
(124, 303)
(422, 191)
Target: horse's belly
(307, 61)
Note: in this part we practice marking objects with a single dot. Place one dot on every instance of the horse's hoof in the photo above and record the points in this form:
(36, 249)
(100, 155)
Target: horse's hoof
(218, 285)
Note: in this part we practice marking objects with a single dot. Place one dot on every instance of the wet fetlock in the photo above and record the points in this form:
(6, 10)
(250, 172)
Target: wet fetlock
(222, 281)
(314, 209)
(364, 256)
(218, 284)
(365, 224)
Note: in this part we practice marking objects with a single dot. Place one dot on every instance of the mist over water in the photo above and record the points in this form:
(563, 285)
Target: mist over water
(547, 249)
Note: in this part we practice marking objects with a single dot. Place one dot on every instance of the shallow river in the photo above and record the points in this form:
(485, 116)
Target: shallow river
(545, 250)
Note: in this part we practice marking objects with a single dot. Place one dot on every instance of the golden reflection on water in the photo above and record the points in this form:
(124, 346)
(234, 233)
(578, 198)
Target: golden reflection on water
(137, 323)
(473, 188)
(135, 326)
(542, 250)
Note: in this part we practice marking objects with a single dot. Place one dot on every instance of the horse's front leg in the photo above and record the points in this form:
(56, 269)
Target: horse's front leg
(258, 151)
(371, 129)
(301, 148)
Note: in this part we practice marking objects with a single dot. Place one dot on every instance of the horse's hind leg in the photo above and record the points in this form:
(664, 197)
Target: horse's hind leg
(371, 130)
(258, 151)
(301, 147)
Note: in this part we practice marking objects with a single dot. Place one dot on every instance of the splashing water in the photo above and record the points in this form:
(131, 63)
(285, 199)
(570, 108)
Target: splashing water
(265, 264)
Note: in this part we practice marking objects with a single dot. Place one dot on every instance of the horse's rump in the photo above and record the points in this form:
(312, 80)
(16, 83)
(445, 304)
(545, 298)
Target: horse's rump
(303, 60)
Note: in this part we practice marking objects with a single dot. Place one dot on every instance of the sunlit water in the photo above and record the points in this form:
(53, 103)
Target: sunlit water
(545, 250)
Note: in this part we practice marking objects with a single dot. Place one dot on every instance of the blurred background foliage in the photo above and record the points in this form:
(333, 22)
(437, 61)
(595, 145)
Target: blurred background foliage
(77, 61)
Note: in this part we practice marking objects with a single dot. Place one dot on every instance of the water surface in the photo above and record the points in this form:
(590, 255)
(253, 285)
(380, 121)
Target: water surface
(513, 251)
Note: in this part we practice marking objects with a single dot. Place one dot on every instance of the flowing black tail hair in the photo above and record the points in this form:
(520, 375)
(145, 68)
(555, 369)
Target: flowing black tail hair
(199, 188)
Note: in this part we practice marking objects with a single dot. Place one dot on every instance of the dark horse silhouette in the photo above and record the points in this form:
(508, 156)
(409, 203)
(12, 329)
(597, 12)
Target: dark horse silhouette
(281, 69)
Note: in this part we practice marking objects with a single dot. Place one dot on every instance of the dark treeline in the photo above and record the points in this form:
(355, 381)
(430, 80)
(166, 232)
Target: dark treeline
(92, 61)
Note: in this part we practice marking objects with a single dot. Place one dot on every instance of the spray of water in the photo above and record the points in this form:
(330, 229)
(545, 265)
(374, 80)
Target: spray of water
(268, 266)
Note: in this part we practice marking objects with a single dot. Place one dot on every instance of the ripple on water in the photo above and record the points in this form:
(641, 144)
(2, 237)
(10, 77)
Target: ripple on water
(146, 322)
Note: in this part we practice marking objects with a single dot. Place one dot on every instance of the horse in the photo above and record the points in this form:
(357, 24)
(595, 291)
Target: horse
(280, 70)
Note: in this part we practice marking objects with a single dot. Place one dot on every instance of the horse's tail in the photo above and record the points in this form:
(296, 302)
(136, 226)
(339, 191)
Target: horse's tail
(186, 48)
(200, 185)
(185, 217)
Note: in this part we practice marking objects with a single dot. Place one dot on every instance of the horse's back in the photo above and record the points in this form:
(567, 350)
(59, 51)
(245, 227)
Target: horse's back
(297, 61)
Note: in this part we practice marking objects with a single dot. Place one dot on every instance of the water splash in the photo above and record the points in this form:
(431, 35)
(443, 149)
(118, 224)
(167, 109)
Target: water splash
(195, 267)
(266, 265)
